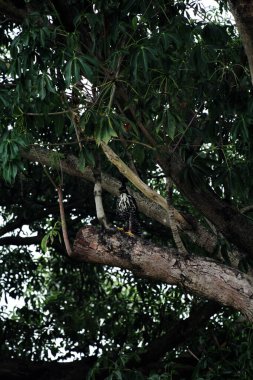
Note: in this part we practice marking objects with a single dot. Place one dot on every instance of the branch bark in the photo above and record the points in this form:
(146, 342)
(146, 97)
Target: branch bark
(199, 275)
(242, 11)
(64, 223)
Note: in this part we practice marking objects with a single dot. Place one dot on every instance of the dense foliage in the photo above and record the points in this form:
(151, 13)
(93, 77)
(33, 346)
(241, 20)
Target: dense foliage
(154, 79)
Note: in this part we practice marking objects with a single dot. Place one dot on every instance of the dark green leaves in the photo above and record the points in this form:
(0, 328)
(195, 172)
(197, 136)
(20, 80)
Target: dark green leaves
(105, 129)
(142, 59)
(170, 123)
(10, 146)
(45, 85)
(132, 74)
(51, 235)
(77, 67)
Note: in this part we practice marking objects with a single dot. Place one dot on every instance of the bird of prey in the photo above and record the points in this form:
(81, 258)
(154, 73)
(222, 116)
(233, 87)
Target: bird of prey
(127, 212)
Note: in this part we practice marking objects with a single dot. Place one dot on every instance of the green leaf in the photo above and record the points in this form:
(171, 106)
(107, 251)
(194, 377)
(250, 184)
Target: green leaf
(43, 243)
(48, 84)
(68, 71)
(42, 89)
(134, 22)
(59, 124)
(4, 98)
(76, 70)
(81, 162)
(139, 154)
(171, 124)
(90, 157)
(86, 68)
(42, 37)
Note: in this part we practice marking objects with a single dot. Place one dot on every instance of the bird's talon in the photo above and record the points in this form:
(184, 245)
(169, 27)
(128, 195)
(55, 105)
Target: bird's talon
(129, 233)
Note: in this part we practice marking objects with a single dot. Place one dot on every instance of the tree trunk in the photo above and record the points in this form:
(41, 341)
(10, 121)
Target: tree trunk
(242, 11)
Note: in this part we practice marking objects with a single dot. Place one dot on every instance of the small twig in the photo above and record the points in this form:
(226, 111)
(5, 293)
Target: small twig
(186, 129)
(63, 222)
(114, 85)
(62, 212)
(111, 97)
(192, 354)
(246, 209)
(75, 120)
(98, 195)
(173, 225)
(49, 113)
(93, 139)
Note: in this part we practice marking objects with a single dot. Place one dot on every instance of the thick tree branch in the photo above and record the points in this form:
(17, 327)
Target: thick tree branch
(200, 275)
(12, 225)
(18, 240)
(242, 11)
(199, 235)
(149, 208)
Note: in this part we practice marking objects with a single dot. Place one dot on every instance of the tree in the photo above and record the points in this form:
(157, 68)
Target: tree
(158, 92)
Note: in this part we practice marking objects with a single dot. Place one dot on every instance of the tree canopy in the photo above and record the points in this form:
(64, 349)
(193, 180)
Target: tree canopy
(159, 93)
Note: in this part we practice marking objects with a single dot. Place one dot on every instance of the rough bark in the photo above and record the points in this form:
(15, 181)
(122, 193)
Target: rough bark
(242, 11)
(63, 222)
(199, 275)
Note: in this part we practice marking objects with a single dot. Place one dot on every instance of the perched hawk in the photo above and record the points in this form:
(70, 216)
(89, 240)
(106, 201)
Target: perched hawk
(127, 212)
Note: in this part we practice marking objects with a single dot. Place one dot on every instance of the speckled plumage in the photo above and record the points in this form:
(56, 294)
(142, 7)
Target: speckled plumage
(127, 212)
